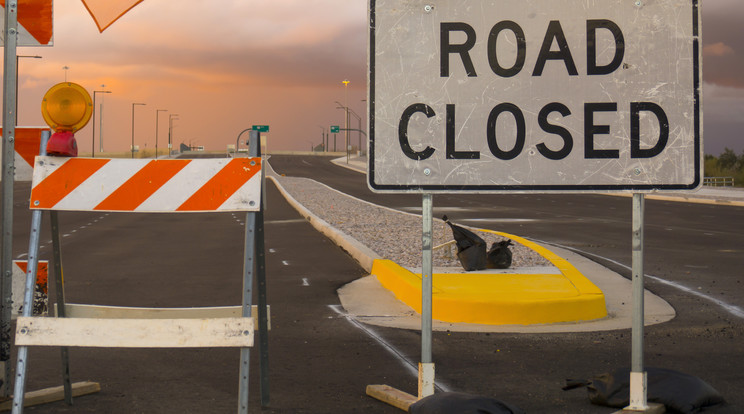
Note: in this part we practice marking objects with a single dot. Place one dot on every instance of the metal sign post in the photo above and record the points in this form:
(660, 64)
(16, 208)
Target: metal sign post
(263, 328)
(535, 96)
(28, 300)
(248, 271)
(255, 263)
(9, 117)
(426, 367)
(638, 378)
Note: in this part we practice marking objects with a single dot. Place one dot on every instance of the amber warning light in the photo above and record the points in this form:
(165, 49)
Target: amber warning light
(66, 108)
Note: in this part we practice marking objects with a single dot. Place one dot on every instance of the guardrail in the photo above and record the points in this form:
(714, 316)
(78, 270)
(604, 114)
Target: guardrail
(718, 181)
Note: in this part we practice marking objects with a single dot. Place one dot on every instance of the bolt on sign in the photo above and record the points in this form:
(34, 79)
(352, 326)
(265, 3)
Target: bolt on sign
(534, 95)
(35, 22)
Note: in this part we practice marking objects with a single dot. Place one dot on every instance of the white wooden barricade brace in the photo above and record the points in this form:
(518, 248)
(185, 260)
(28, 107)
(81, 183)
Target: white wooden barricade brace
(141, 185)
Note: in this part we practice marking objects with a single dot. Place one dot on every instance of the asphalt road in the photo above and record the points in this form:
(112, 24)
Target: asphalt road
(693, 258)
(320, 362)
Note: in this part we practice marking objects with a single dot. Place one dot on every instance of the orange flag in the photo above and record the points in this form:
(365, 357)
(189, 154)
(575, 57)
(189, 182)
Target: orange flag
(106, 12)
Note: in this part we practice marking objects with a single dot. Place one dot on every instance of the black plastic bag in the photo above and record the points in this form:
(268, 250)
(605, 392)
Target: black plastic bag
(499, 256)
(461, 403)
(471, 249)
(680, 393)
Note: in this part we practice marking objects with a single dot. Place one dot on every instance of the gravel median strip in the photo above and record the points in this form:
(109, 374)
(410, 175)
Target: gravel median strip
(392, 234)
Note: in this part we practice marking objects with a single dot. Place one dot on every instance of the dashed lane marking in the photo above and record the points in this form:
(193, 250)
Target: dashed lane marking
(290, 221)
(499, 220)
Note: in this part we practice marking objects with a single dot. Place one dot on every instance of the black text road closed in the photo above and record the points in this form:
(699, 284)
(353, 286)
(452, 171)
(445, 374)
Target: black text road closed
(534, 95)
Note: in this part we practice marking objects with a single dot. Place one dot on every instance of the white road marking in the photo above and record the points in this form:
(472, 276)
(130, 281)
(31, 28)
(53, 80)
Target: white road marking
(732, 309)
(410, 366)
(418, 209)
(305, 282)
(285, 262)
(300, 220)
(499, 220)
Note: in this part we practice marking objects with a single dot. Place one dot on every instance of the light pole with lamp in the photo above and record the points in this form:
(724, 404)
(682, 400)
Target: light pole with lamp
(157, 112)
(195, 141)
(133, 104)
(359, 119)
(16, 83)
(237, 140)
(346, 83)
(322, 137)
(93, 140)
(171, 117)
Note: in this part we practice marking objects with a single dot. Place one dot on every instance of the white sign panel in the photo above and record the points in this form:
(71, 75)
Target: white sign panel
(534, 95)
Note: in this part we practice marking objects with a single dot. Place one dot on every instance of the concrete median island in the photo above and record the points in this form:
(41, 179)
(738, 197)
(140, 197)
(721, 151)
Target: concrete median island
(551, 294)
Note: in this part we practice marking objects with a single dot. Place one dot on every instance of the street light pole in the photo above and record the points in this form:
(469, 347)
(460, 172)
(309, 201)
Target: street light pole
(346, 118)
(133, 104)
(16, 83)
(359, 120)
(171, 117)
(322, 137)
(157, 112)
(93, 140)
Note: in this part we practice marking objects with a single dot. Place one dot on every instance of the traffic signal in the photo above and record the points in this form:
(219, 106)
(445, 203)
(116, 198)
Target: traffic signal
(66, 108)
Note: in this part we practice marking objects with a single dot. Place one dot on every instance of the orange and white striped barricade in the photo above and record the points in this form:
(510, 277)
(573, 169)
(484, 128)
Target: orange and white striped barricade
(41, 291)
(140, 185)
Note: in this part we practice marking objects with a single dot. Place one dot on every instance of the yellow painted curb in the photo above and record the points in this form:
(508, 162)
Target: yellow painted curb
(500, 298)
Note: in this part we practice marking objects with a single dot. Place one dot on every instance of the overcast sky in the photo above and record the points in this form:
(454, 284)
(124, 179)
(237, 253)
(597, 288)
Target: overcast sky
(223, 66)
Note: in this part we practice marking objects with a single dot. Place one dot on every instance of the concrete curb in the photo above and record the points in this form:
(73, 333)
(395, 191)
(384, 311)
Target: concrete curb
(688, 199)
(361, 253)
(368, 301)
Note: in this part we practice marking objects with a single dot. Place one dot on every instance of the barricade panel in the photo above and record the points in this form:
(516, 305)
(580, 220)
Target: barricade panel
(146, 186)
(135, 333)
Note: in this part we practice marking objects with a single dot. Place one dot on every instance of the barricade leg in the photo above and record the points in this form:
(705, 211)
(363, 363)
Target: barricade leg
(28, 301)
(248, 269)
(263, 330)
(59, 286)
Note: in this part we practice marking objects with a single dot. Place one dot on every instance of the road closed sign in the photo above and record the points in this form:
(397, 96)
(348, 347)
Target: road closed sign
(534, 95)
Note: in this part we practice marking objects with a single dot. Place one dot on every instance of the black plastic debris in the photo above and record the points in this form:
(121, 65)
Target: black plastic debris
(471, 249)
(461, 403)
(499, 256)
(680, 393)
